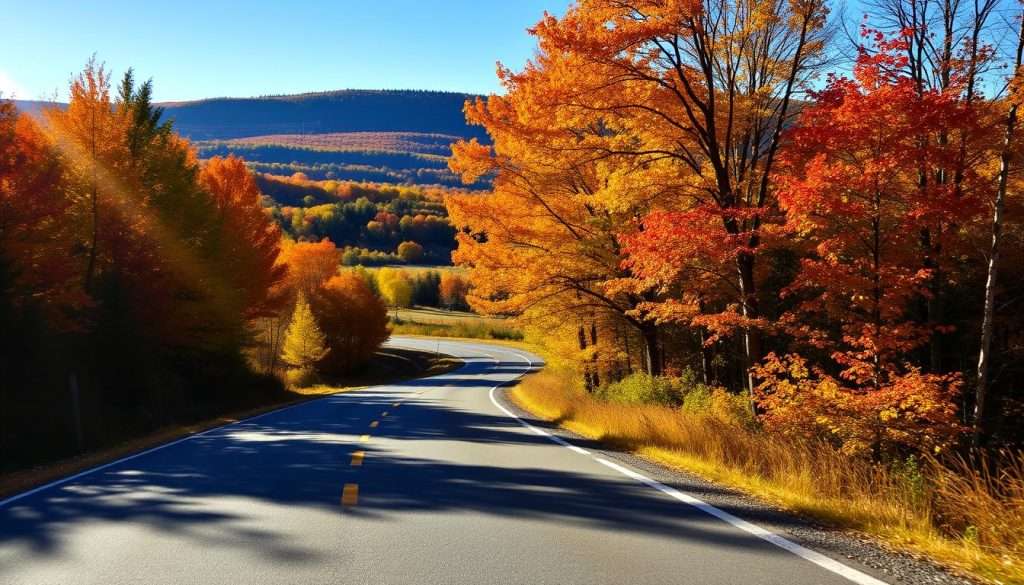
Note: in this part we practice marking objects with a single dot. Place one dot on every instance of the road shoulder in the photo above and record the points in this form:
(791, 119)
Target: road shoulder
(842, 545)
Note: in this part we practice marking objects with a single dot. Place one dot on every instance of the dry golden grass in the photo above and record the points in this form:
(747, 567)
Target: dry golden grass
(969, 518)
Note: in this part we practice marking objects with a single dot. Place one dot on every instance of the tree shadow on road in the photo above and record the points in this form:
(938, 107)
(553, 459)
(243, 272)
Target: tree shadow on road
(299, 458)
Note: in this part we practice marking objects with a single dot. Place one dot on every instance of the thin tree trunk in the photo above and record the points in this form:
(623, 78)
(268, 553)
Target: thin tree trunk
(581, 334)
(629, 352)
(751, 336)
(988, 314)
(705, 358)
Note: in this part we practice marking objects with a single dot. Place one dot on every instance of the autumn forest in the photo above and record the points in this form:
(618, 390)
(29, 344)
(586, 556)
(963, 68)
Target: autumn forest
(707, 193)
(769, 238)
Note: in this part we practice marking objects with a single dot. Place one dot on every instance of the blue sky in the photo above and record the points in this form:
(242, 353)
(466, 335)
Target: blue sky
(195, 49)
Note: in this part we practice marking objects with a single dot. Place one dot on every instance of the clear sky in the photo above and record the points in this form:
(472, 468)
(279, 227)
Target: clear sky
(195, 49)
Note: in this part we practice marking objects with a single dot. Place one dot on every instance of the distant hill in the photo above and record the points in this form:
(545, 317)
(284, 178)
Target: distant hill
(429, 112)
(380, 157)
(389, 136)
(33, 107)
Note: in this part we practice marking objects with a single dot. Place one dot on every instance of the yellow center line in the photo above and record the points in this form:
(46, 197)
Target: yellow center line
(364, 438)
(357, 458)
(350, 495)
(374, 424)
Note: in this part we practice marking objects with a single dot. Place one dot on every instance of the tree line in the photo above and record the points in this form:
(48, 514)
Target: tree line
(376, 225)
(140, 287)
(694, 187)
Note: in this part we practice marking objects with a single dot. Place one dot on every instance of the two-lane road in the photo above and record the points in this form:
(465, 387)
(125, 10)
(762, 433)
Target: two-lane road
(425, 481)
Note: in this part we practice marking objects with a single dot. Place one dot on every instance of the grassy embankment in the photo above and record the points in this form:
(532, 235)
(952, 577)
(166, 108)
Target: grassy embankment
(389, 365)
(441, 323)
(967, 519)
(435, 322)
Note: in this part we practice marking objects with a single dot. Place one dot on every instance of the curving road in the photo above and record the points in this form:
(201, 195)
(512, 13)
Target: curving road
(426, 481)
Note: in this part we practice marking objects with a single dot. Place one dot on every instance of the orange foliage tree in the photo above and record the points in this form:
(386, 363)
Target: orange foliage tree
(35, 246)
(453, 290)
(689, 100)
(310, 265)
(249, 240)
(143, 227)
(674, 108)
(353, 319)
(543, 244)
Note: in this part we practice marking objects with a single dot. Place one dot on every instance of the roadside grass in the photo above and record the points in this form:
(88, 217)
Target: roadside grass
(420, 314)
(438, 323)
(390, 365)
(415, 269)
(968, 518)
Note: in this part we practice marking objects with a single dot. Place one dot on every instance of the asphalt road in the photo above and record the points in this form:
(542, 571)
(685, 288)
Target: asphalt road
(420, 482)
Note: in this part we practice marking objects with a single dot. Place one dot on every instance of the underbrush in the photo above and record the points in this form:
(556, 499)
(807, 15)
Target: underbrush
(967, 515)
(476, 329)
(683, 392)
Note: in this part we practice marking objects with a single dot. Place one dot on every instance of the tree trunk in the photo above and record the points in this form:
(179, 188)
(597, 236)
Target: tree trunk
(652, 350)
(581, 334)
(751, 336)
(705, 358)
(988, 315)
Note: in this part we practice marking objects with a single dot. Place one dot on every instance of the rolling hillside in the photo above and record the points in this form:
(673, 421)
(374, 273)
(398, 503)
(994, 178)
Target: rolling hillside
(383, 136)
(320, 113)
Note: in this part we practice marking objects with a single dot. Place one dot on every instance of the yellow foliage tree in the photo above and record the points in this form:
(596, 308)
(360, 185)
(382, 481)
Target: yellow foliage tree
(396, 287)
(304, 343)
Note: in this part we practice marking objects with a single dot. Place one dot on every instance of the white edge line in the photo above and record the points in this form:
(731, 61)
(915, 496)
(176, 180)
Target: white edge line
(803, 552)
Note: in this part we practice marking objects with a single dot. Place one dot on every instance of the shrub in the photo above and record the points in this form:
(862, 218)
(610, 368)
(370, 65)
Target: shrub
(683, 391)
(301, 377)
(641, 388)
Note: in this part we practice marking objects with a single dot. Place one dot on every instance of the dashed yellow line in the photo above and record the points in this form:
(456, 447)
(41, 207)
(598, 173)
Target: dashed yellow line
(374, 424)
(357, 458)
(364, 438)
(350, 495)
